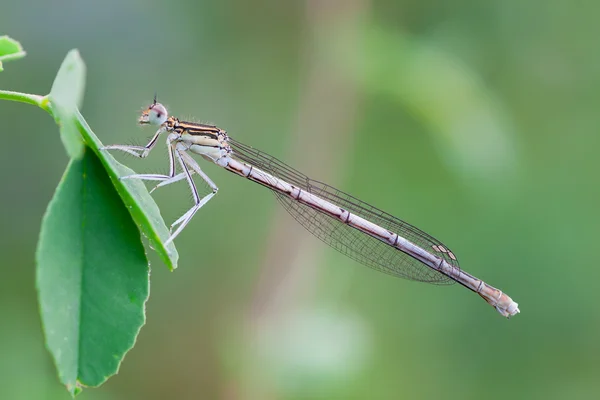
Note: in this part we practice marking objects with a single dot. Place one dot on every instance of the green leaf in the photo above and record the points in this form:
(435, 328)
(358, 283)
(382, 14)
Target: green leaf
(64, 102)
(134, 194)
(92, 276)
(10, 50)
(66, 97)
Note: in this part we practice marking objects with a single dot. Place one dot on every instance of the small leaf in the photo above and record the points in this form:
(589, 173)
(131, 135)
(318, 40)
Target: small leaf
(66, 97)
(10, 50)
(134, 194)
(64, 106)
(92, 276)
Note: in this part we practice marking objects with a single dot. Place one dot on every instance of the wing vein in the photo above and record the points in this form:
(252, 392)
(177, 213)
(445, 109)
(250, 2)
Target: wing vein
(355, 244)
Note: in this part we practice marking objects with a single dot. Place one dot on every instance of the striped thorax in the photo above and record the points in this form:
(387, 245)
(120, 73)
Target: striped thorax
(208, 141)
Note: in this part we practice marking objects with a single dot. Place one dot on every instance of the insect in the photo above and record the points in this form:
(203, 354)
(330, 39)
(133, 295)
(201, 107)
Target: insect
(363, 232)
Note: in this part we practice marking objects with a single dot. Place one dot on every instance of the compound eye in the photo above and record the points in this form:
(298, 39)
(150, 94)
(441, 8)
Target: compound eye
(158, 114)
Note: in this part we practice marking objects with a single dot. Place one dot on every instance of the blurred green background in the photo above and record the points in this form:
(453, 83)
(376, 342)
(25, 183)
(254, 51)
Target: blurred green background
(475, 121)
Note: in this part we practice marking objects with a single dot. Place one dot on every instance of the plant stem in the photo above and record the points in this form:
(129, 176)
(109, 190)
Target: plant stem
(36, 100)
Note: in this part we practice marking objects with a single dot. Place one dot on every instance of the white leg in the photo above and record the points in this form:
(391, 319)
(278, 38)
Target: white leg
(174, 179)
(133, 150)
(158, 177)
(147, 177)
(184, 161)
(185, 218)
(196, 168)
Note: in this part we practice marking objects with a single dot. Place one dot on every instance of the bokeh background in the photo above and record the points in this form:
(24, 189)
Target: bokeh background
(475, 121)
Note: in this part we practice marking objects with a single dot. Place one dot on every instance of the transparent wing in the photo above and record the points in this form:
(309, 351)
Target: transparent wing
(347, 240)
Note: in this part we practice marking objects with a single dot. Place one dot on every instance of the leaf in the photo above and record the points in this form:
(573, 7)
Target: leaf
(92, 276)
(10, 50)
(134, 194)
(66, 97)
(64, 102)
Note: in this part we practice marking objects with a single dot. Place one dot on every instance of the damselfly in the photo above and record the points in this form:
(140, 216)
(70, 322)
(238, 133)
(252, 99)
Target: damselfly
(369, 235)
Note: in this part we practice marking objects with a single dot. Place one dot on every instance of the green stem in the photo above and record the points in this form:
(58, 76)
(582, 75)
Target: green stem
(36, 100)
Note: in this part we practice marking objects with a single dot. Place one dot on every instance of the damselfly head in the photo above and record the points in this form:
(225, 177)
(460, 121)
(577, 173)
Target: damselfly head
(155, 114)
